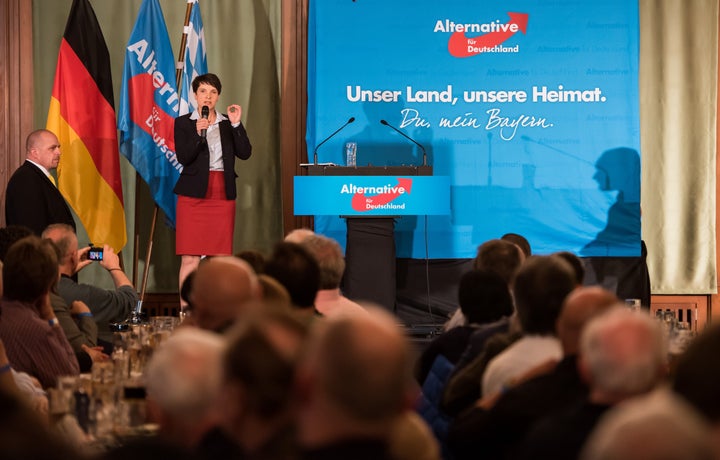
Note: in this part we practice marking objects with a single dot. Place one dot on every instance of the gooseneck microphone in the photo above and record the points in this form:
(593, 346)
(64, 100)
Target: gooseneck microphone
(315, 156)
(424, 163)
(204, 113)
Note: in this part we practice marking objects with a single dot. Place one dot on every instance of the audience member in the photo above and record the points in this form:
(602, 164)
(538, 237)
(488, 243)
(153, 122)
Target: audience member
(298, 235)
(353, 383)
(25, 435)
(149, 448)
(33, 339)
(540, 288)
(182, 381)
(497, 429)
(20, 384)
(296, 269)
(223, 288)
(32, 198)
(329, 300)
(520, 241)
(697, 377)
(254, 258)
(9, 235)
(464, 386)
(502, 257)
(575, 263)
(484, 299)
(659, 426)
(82, 334)
(412, 439)
(106, 305)
(80, 329)
(622, 354)
(7, 382)
(274, 293)
(259, 368)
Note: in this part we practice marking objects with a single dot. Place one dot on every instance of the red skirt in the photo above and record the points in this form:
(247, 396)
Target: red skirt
(205, 226)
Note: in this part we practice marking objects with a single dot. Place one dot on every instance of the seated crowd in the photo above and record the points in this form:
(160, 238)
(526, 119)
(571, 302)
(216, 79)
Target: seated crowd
(271, 361)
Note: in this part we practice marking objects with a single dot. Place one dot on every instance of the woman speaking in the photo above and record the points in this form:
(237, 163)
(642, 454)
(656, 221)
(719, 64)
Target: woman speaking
(206, 144)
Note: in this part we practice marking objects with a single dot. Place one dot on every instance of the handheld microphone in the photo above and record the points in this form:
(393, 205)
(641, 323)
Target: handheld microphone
(315, 156)
(205, 113)
(424, 163)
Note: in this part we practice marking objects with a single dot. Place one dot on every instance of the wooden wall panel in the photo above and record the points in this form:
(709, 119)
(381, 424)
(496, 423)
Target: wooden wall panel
(294, 104)
(714, 306)
(16, 88)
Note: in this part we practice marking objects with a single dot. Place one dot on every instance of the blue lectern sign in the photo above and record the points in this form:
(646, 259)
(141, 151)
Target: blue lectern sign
(372, 195)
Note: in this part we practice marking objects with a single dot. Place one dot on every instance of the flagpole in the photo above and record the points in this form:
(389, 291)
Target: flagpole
(183, 45)
(178, 79)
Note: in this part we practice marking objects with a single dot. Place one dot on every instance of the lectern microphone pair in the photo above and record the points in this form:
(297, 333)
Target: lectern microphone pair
(384, 122)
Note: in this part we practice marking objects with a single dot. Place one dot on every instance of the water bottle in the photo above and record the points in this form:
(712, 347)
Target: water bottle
(82, 409)
(350, 153)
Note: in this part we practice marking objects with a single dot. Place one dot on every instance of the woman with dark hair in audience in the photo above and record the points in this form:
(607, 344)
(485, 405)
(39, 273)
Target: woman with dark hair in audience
(484, 298)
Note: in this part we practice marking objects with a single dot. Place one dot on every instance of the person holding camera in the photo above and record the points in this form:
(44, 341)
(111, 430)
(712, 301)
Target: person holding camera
(105, 306)
(207, 143)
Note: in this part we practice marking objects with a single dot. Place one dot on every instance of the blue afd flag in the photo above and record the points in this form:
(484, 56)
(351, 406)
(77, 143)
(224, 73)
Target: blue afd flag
(149, 104)
(195, 59)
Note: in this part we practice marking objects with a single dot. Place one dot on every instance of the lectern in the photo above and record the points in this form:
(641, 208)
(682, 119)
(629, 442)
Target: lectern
(370, 246)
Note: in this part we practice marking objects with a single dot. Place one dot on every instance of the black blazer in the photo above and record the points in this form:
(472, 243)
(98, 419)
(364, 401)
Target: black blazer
(192, 152)
(33, 201)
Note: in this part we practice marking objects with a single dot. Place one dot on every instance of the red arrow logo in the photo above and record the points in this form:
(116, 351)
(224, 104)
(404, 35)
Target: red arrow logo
(461, 46)
(362, 203)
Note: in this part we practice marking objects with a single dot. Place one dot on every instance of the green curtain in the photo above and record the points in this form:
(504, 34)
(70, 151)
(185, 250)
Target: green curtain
(243, 49)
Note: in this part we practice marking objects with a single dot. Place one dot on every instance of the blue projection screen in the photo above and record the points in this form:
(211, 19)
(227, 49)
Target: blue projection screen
(531, 108)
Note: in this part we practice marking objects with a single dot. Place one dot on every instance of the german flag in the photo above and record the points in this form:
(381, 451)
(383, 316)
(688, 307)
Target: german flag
(82, 115)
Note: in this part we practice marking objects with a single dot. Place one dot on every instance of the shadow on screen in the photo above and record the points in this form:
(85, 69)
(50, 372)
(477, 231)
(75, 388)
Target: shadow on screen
(618, 170)
(627, 277)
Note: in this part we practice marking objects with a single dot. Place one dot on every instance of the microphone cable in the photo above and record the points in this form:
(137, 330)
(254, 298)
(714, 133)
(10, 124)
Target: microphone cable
(427, 271)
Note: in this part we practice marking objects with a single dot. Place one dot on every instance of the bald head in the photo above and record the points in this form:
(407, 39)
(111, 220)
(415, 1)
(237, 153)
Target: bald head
(36, 137)
(43, 147)
(222, 288)
(362, 366)
(298, 235)
(579, 307)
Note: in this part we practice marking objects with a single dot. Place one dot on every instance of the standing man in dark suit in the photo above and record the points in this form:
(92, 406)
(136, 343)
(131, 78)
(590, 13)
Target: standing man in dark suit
(32, 198)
